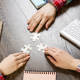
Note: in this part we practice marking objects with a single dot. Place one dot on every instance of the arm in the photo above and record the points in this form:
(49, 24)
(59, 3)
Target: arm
(62, 59)
(12, 63)
(45, 15)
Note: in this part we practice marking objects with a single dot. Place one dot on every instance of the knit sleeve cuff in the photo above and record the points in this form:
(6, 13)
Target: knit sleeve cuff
(57, 3)
(1, 77)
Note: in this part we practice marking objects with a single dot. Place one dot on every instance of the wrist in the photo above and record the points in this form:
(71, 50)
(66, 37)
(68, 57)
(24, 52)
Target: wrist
(75, 64)
(1, 70)
(53, 7)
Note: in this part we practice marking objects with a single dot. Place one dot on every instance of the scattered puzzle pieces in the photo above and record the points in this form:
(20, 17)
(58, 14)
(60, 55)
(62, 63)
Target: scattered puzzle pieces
(35, 36)
(26, 48)
(41, 47)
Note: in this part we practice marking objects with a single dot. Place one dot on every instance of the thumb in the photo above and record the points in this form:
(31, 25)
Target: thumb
(52, 60)
(49, 22)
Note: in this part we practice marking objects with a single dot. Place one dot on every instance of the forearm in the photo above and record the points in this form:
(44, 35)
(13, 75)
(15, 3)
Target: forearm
(58, 3)
(74, 64)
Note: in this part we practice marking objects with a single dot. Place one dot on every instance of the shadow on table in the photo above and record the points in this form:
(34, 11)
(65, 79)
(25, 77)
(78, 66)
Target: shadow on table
(14, 76)
(64, 74)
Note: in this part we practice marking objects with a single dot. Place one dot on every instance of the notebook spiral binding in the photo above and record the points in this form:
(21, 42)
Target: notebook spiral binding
(40, 72)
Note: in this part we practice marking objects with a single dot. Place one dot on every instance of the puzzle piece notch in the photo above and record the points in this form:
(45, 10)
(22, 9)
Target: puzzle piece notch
(41, 47)
(26, 48)
(35, 36)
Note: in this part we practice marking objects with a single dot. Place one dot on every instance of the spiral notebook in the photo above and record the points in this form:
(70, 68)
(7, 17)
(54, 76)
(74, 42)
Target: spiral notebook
(35, 75)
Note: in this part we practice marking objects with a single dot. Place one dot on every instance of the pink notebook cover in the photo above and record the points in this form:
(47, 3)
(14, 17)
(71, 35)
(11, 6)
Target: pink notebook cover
(31, 75)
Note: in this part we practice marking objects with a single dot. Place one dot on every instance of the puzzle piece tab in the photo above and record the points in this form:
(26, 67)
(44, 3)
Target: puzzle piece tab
(26, 48)
(35, 36)
(41, 47)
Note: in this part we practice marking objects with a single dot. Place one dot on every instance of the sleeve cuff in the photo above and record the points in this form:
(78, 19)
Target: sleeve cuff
(57, 3)
(1, 77)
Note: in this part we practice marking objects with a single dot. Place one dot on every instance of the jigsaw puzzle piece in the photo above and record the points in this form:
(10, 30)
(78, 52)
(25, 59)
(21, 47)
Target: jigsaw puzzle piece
(35, 36)
(28, 47)
(41, 47)
(24, 50)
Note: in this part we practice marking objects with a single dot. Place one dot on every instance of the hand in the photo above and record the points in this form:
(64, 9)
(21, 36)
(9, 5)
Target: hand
(13, 62)
(62, 59)
(45, 15)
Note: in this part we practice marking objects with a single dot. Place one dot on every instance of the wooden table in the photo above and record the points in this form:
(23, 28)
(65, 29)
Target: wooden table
(15, 14)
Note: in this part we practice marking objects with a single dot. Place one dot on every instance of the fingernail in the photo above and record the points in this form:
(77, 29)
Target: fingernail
(47, 27)
(27, 21)
(28, 27)
(31, 30)
(36, 31)
(27, 54)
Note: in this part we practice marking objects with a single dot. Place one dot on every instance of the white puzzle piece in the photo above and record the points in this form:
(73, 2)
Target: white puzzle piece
(35, 36)
(26, 48)
(41, 47)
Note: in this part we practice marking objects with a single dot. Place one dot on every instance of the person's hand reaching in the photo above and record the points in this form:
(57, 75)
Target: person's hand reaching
(61, 59)
(13, 62)
(45, 15)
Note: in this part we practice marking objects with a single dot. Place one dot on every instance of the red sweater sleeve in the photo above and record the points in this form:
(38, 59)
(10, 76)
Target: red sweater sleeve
(1, 77)
(58, 3)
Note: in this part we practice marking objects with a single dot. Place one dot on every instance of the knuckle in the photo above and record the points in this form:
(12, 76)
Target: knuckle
(33, 19)
(23, 60)
(45, 15)
(60, 51)
(23, 56)
(36, 21)
(15, 59)
(41, 24)
(56, 54)
(42, 13)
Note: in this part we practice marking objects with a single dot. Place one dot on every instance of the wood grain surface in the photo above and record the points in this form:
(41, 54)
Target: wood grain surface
(0, 28)
(15, 14)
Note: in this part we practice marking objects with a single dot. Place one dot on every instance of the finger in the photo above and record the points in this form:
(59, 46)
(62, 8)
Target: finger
(52, 49)
(22, 56)
(41, 24)
(32, 17)
(49, 52)
(21, 64)
(49, 22)
(49, 48)
(17, 54)
(35, 23)
(23, 60)
(52, 60)
(32, 21)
